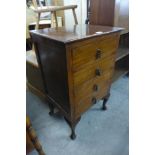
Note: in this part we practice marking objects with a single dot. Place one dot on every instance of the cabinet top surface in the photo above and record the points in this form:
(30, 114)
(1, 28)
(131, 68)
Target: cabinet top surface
(75, 32)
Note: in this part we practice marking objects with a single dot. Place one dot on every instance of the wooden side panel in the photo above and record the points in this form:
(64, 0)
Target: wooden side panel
(52, 61)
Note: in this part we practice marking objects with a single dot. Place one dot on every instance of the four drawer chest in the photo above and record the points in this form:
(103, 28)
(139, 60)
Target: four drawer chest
(77, 64)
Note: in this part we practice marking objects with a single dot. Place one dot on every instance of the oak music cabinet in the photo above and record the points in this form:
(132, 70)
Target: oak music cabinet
(77, 65)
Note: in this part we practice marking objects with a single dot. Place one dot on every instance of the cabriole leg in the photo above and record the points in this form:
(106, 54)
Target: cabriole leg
(51, 106)
(72, 126)
(105, 99)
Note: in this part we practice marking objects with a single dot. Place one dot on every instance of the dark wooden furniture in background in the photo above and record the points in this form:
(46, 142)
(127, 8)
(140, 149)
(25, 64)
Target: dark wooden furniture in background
(109, 12)
(32, 141)
(77, 65)
(34, 76)
(32, 26)
(33, 73)
(46, 24)
(113, 13)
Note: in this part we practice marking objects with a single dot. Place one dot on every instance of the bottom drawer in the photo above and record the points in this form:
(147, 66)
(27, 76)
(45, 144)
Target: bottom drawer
(87, 102)
(92, 86)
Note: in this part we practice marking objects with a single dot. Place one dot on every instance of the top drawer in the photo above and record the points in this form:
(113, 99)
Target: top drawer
(87, 53)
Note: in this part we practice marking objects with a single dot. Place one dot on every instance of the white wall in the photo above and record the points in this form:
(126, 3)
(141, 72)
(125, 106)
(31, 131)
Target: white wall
(80, 12)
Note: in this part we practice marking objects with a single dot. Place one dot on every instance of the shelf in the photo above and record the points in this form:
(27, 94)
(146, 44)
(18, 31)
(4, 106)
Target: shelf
(122, 52)
(121, 68)
(119, 73)
(125, 31)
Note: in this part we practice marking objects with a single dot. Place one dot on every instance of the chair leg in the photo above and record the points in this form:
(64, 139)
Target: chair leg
(51, 19)
(75, 18)
(55, 16)
(38, 19)
(33, 137)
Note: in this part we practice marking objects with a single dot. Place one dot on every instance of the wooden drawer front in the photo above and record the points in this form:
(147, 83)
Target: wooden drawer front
(94, 50)
(89, 72)
(88, 101)
(93, 86)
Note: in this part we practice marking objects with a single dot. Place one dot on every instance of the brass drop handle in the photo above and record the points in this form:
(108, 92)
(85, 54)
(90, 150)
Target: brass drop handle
(98, 72)
(95, 87)
(94, 100)
(98, 53)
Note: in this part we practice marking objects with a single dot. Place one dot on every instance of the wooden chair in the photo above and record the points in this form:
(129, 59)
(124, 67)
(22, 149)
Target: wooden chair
(39, 8)
(31, 138)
